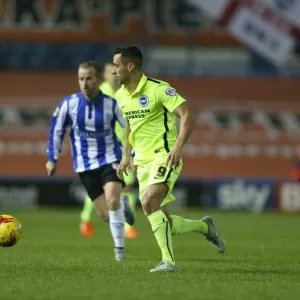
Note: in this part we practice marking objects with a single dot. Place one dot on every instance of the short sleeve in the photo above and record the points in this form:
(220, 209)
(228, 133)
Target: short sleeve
(119, 117)
(168, 97)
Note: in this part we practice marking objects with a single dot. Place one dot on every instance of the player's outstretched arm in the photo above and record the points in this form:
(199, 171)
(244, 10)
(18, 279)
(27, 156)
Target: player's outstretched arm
(186, 127)
(57, 131)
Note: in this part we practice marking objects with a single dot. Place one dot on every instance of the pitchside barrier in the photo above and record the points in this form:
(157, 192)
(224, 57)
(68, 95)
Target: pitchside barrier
(252, 195)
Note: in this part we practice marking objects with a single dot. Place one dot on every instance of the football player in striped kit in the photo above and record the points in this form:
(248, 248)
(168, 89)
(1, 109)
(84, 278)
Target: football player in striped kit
(109, 87)
(91, 116)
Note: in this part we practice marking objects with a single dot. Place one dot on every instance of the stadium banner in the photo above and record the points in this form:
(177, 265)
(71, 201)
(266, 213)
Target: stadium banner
(170, 22)
(193, 193)
(244, 194)
(261, 35)
(288, 197)
(29, 193)
(258, 117)
(225, 194)
(266, 26)
(16, 194)
(290, 9)
(214, 9)
(24, 192)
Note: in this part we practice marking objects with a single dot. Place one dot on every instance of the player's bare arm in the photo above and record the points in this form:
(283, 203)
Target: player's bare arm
(51, 168)
(185, 131)
(126, 159)
(56, 136)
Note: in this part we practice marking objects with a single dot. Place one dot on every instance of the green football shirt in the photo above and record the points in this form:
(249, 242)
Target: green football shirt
(108, 90)
(149, 113)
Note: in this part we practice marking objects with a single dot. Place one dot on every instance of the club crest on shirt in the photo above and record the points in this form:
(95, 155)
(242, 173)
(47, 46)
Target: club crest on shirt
(143, 101)
(170, 92)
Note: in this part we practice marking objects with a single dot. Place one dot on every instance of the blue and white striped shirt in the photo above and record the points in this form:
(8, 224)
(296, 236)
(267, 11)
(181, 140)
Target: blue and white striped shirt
(92, 131)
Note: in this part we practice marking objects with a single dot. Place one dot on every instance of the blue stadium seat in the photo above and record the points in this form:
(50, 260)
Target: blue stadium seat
(67, 57)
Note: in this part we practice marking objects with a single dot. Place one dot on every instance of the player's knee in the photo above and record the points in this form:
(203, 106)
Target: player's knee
(148, 203)
(152, 198)
(113, 203)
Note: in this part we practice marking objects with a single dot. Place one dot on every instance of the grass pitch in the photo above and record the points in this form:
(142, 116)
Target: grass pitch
(53, 261)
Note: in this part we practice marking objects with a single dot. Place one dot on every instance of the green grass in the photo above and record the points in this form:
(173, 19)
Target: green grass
(52, 261)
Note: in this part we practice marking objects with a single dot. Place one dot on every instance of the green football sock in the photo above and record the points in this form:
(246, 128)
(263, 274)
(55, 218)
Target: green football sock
(181, 225)
(161, 229)
(88, 208)
(132, 202)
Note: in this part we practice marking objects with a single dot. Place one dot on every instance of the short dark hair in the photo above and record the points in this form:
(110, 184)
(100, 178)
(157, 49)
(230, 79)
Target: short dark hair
(91, 64)
(131, 53)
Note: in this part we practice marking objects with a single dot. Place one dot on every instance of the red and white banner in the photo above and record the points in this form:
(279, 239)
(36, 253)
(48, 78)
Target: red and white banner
(290, 9)
(267, 26)
(260, 35)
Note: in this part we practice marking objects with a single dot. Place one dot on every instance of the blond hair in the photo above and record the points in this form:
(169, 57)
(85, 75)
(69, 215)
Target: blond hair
(91, 64)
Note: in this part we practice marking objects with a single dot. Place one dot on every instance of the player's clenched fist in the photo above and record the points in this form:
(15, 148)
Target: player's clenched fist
(124, 164)
(51, 168)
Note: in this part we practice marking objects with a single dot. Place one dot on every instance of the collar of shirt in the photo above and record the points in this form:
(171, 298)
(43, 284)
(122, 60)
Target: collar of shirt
(142, 82)
(93, 101)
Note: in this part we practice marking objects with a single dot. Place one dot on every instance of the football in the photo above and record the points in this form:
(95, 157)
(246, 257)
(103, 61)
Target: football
(10, 231)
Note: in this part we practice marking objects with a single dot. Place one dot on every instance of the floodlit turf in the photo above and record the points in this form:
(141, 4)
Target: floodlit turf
(53, 261)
